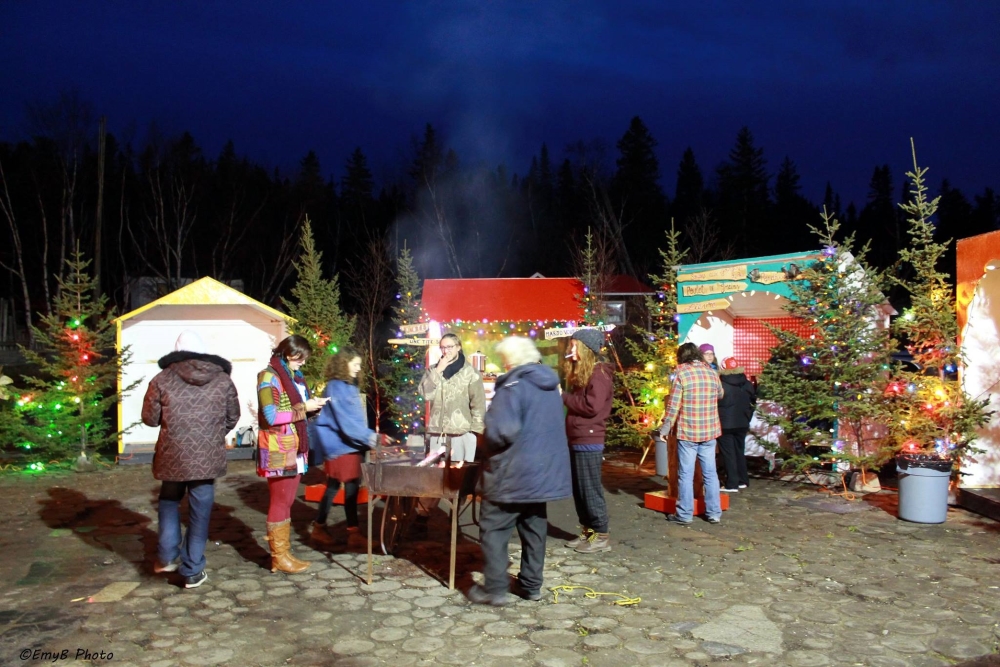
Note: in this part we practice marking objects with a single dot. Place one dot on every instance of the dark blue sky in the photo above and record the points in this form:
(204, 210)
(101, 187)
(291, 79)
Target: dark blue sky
(837, 86)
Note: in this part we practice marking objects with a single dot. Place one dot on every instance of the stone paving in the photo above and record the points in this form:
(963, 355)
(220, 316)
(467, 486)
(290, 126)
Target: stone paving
(793, 576)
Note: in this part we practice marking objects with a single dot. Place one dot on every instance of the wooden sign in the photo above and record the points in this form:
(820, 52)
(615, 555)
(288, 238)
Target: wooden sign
(569, 331)
(769, 277)
(727, 273)
(702, 306)
(713, 288)
(419, 342)
(419, 328)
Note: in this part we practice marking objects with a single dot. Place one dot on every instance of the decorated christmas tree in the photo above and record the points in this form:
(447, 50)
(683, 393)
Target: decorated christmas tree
(404, 365)
(316, 309)
(934, 417)
(643, 387)
(829, 380)
(592, 301)
(70, 400)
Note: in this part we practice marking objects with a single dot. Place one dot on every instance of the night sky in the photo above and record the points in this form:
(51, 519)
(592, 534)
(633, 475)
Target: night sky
(839, 87)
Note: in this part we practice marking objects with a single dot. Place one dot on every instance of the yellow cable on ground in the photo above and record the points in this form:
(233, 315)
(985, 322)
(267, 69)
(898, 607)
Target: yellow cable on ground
(625, 600)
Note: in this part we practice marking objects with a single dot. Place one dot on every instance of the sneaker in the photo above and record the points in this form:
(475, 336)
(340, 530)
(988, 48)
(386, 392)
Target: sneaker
(730, 490)
(713, 519)
(196, 580)
(581, 539)
(742, 486)
(159, 567)
(518, 589)
(478, 595)
(673, 518)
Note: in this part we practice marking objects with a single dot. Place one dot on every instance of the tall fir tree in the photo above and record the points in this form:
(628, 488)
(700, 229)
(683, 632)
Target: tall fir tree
(315, 305)
(404, 365)
(593, 280)
(828, 380)
(70, 401)
(635, 191)
(643, 388)
(744, 197)
(934, 416)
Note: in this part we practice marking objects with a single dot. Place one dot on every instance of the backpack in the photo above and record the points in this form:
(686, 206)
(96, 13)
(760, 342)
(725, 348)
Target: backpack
(245, 437)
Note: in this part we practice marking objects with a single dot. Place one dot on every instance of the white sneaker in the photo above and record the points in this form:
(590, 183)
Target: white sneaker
(729, 490)
(742, 486)
(159, 567)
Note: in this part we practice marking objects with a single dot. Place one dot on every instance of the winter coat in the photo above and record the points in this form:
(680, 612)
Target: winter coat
(194, 402)
(738, 400)
(527, 458)
(456, 405)
(588, 408)
(342, 425)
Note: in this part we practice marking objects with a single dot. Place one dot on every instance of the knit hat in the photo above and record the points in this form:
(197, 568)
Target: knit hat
(706, 347)
(189, 341)
(592, 338)
(730, 363)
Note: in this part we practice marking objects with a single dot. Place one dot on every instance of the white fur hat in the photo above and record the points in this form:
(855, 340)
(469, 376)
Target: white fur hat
(189, 341)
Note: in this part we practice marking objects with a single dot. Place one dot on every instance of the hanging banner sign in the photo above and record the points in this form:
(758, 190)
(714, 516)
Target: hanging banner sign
(714, 288)
(419, 328)
(727, 273)
(419, 342)
(702, 306)
(566, 332)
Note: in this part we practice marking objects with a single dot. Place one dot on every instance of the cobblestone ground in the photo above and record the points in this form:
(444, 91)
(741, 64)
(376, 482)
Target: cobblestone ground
(792, 576)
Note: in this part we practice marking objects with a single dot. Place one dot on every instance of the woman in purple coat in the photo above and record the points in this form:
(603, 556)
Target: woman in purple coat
(588, 406)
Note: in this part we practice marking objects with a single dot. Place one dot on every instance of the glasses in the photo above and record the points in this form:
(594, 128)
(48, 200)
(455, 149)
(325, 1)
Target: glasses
(449, 347)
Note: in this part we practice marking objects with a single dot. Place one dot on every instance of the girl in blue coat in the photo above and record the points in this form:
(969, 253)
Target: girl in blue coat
(340, 436)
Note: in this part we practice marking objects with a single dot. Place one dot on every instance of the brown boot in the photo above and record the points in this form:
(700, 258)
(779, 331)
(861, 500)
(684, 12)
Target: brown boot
(320, 539)
(595, 544)
(581, 539)
(282, 560)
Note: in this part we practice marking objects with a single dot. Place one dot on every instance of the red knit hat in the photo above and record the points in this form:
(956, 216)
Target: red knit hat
(729, 363)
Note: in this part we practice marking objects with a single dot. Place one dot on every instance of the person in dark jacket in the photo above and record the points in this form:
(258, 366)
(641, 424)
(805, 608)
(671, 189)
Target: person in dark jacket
(340, 436)
(526, 466)
(735, 412)
(194, 402)
(590, 382)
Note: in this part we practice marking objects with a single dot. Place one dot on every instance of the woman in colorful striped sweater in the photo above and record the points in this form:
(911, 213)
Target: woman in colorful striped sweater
(283, 442)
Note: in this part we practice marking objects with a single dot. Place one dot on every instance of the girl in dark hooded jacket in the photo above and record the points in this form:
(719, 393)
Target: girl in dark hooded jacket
(735, 412)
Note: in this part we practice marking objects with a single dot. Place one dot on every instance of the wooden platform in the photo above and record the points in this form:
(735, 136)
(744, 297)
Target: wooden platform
(143, 455)
(981, 501)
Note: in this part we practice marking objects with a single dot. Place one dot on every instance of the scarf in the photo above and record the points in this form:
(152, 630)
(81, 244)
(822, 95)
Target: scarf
(288, 386)
(454, 366)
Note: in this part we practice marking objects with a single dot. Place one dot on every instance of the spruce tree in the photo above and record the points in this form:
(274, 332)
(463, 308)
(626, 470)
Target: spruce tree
(316, 309)
(70, 401)
(934, 416)
(404, 365)
(829, 379)
(643, 387)
(592, 300)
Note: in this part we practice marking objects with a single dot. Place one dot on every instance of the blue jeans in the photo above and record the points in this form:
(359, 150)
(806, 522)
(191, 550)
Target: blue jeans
(191, 549)
(687, 453)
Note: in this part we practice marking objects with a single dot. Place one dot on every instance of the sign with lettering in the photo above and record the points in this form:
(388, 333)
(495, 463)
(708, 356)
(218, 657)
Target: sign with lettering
(566, 332)
(419, 342)
(419, 328)
(768, 277)
(713, 288)
(727, 273)
(702, 306)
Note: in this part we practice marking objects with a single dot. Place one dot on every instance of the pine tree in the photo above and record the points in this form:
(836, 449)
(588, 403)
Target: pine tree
(71, 399)
(643, 388)
(635, 190)
(593, 280)
(404, 365)
(934, 416)
(316, 309)
(829, 380)
(689, 193)
(743, 192)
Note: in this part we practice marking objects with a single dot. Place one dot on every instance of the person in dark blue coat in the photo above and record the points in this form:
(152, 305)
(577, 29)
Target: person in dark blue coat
(527, 465)
(339, 437)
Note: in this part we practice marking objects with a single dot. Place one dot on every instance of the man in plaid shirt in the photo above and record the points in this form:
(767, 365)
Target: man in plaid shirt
(694, 406)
